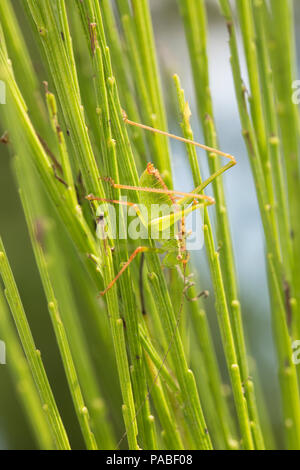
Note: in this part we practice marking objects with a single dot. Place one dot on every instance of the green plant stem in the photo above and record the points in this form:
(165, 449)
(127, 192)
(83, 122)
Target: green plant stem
(157, 360)
(33, 355)
(194, 17)
(222, 308)
(73, 114)
(125, 86)
(58, 326)
(193, 410)
(145, 38)
(79, 232)
(17, 48)
(138, 34)
(276, 161)
(130, 315)
(281, 37)
(210, 366)
(98, 409)
(89, 384)
(170, 432)
(134, 348)
(23, 381)
(257, 110)
(289, 398)
(268, 91)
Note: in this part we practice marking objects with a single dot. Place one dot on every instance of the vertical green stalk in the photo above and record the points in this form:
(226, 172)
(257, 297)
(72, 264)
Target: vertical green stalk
(193, 410)
(257, 109)
(130, 316)
(67, 91)
(200, 319)
(71, 215)
(146, 44)
(276, 161)
(67, 310)
(23, 66)
(138, 34)
(194, 18)
(58, 326)
(195, 22)
(290, 395)
(33, 355)
(221, 301)
(23, 381)
(45, 20)
(170, 432)
(210, 366)
(282, 51)
(120, 66)
(248, 34)
(87, 373)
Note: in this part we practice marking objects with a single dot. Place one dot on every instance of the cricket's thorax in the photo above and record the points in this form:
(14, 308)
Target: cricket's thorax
(152, 179)
(151, 170)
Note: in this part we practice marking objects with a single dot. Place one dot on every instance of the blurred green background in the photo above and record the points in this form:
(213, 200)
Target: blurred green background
(243, 211)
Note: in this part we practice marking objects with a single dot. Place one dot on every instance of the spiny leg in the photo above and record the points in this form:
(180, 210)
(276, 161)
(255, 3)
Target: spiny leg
(139, 249)
(91, 197)
(192, 195)
(208, 200)
(181, 239)
(187, 141)
(203, 185)
(174, 195)
(181, 139)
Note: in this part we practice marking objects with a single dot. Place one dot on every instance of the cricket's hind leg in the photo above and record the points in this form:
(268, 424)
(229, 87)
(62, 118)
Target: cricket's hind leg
(139, 249)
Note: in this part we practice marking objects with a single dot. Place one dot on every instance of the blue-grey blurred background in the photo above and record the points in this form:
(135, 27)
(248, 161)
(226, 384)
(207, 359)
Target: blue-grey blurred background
(242, 206)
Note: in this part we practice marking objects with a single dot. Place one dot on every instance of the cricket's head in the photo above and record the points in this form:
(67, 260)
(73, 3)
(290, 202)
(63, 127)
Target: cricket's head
(100, 217)
(150, 169)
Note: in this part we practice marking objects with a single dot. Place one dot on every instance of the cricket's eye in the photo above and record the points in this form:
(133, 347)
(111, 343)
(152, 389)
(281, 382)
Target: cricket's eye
(100, 217)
